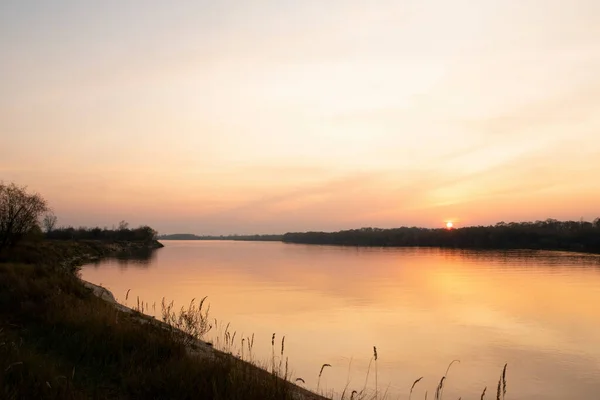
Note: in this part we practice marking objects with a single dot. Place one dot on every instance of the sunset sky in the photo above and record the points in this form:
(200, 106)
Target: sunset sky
(276, 115)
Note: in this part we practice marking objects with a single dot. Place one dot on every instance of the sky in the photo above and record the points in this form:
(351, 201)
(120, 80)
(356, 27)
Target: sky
(276, 115)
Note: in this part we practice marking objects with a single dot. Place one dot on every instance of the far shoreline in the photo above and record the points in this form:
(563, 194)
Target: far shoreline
(550, 234)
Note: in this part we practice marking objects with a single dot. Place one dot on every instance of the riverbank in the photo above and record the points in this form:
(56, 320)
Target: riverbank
(71, 254)
(59, 340)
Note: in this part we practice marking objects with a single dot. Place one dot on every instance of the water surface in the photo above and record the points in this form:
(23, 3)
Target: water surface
(537, 311)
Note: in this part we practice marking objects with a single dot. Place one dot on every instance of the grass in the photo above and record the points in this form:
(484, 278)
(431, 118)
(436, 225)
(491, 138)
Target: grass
(59, 341)
(187, 325)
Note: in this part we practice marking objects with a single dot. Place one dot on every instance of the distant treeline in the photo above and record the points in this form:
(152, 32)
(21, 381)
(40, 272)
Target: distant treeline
(189, 236)
(550, 234)
(122, 233)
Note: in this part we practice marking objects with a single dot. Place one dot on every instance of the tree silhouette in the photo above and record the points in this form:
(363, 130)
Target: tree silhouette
(549, 234)
(19, 213)
(49, 222)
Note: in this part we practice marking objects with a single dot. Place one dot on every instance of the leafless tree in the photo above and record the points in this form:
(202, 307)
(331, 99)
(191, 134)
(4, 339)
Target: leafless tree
(49, 222)
(19, 213)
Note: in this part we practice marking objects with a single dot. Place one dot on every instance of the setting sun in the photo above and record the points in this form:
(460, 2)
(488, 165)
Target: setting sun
(449, 225)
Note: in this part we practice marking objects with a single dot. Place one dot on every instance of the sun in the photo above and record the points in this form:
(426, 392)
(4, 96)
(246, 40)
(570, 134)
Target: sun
(449, 225)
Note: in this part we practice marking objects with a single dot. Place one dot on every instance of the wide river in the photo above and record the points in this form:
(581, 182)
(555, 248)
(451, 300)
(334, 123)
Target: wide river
(539, 312)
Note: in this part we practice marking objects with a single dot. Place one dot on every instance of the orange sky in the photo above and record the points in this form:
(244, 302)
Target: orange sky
(274, 116)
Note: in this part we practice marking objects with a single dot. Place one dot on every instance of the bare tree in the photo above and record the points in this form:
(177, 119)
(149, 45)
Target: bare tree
(19, 213)
(49, 222)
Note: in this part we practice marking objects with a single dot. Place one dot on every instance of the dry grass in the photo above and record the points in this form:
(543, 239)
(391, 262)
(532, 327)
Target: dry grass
(58, 341)
(321, 373)
(187, 325)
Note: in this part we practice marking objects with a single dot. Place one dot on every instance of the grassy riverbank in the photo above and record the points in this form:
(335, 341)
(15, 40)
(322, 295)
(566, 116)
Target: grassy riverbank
(59, 341)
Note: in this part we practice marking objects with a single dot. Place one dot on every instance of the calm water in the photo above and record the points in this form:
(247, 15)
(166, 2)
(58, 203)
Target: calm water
(537, 311)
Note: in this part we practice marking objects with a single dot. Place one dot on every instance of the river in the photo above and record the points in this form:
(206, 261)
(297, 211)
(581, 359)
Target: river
(538, 312)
